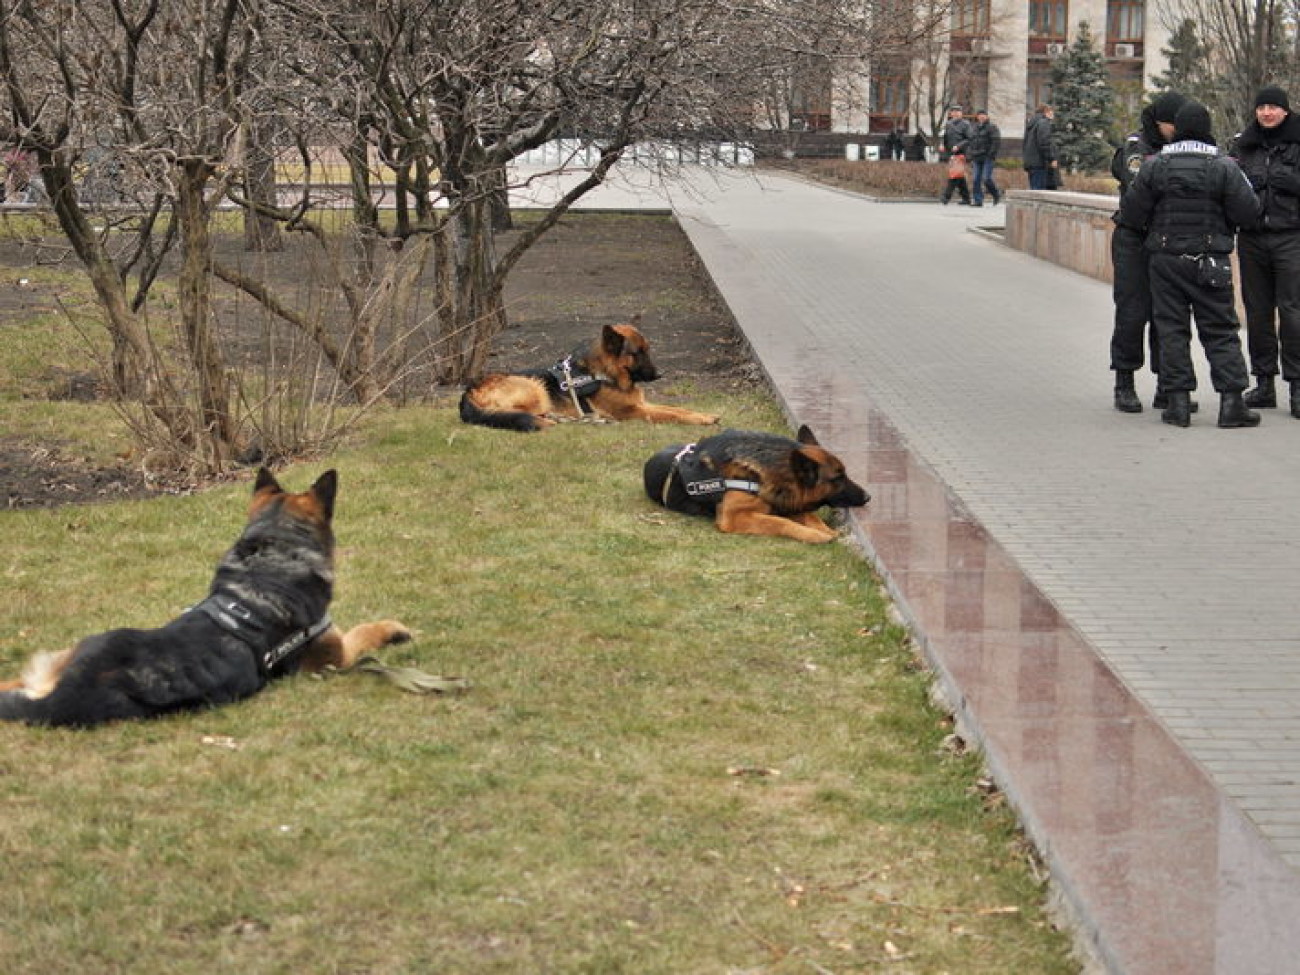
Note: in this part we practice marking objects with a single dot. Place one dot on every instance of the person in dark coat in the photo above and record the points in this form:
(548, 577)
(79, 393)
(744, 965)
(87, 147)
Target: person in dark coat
(1189, 201)
(1038, 153)
(1128, 257)
(956, 133)
(982, 151)
(898, 135)
(914, 150)
(1268, 151)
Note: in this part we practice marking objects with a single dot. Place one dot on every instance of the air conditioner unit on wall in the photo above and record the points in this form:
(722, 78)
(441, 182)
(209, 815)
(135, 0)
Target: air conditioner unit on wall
(1055, 50)
(981, 45)
(1125, 50)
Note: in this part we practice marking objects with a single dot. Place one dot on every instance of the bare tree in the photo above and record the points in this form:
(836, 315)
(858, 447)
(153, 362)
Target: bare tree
(149, 84)
(1246, 44)
(424, 105)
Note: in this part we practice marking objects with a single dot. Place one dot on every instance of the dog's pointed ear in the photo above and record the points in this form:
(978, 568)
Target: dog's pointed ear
(806, 436)
(611, 340)
(806, 468)
(324, 490)
(266, 482)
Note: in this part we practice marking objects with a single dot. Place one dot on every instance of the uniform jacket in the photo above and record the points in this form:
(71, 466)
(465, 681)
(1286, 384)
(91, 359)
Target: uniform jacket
(1038, 152)
(1189, 199)
(985, 142)
(1138, 147)
(1273, 168)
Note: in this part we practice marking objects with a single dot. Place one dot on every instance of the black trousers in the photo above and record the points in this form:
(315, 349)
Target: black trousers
(1270, 290)
(1177, 296)
(957, 183)
(1132, 292)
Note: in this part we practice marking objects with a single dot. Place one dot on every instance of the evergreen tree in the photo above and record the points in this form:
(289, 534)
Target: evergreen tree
(1187, 57)
(1191, 72)
(1081, 96)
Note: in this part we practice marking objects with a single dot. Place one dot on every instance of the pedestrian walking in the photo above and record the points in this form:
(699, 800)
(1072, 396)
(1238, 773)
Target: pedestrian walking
(957, 179)
(1268, 151)
(1038, 153)
(956, 133)
(1128, 258)
(1189, 201)
(982, 150)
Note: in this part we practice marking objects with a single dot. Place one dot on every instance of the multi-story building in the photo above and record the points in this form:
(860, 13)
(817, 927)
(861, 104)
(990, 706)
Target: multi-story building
(997, 55)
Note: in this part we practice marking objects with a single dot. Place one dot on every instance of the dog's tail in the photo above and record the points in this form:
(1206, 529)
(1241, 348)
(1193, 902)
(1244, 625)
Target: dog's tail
(471, 412)
(17, 706)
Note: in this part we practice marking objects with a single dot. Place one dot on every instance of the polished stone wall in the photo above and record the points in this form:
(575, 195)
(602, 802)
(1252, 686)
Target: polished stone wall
(1070, 229)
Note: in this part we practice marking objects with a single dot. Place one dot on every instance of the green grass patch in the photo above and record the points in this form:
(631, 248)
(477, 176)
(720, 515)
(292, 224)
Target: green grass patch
(603, 800)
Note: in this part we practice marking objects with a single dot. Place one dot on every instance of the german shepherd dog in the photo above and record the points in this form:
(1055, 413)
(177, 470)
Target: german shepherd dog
(601, 379)
(265, 616)
(754, 483)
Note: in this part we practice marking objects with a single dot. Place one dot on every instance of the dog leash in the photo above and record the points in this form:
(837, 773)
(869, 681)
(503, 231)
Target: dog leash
(568, 384)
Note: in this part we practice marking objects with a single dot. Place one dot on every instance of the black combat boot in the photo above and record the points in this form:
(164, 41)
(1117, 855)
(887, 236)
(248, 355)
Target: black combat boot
(1161, 400)
(1233, 412)
(1263, 396)
(1126, 397)
(1295, 398)
(1178, 411)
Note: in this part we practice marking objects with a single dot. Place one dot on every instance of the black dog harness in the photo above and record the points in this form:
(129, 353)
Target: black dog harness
(699, 479)
(240, 622)
(580, 386)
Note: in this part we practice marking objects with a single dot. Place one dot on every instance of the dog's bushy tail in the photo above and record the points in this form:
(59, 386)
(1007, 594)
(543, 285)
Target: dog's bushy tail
(17, 706)
(471, 413)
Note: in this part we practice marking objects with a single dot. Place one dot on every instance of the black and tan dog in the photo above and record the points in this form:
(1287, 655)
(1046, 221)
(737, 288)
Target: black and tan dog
(754, 483)
(266, 615)
(601, 379)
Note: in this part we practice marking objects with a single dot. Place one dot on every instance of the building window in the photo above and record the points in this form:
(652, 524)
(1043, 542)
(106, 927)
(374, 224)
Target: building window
(889, 93)
(970, 18)
(1047, 18)
(1125, 20)
(810, 96)
(970, 84)
(1038, 86)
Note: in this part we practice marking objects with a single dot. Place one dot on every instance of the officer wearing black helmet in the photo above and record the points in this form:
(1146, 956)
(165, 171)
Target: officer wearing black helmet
(1189, 201)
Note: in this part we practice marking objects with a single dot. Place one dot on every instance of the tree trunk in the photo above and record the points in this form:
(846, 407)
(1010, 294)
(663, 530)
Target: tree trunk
(261, 232)
(480, 309)
(136, 368)
(195, 298)
(365, 213)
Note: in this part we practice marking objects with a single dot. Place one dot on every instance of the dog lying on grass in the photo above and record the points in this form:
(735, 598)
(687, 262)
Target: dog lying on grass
(754, 483)
(266, 615)
(601, 379)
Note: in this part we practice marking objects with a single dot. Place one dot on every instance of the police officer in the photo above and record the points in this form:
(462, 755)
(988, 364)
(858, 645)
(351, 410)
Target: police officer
(1128, 257)
(1268, 151)
(1190, 199)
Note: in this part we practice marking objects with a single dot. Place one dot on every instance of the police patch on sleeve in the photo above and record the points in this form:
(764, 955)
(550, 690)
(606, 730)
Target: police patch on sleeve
(1134, 164)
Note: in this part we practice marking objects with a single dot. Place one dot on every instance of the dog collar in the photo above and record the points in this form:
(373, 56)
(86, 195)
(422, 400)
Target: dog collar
(241, 622)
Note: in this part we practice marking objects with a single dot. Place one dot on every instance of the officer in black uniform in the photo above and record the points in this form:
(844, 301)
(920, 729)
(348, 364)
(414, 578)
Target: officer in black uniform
(1268, 151)
(1128, 256)
(1190, 199)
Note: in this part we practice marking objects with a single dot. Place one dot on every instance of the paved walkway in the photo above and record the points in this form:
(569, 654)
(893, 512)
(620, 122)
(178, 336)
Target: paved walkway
(1107, 600)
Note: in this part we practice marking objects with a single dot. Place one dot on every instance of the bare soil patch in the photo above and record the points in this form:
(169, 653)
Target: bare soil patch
(591, 270)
